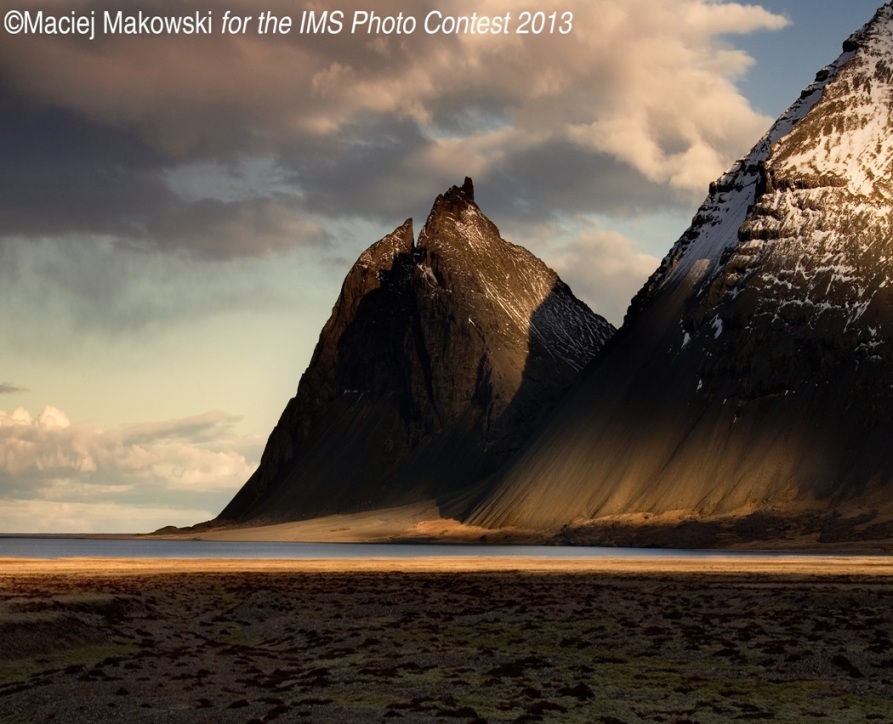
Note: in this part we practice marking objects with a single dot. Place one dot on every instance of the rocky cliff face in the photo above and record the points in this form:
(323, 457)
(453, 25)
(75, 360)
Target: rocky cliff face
(754, 370)
(439, 359)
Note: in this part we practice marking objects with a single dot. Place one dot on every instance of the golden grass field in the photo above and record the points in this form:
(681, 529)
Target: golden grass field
(458, 639)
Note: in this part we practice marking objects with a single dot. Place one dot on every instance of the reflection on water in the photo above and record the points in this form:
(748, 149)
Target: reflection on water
(72, 547)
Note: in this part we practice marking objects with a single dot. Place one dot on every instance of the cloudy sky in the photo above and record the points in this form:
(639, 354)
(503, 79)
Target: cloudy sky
(177, 213)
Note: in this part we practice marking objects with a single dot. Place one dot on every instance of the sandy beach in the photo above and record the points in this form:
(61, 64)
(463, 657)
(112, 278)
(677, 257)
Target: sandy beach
(464, 639)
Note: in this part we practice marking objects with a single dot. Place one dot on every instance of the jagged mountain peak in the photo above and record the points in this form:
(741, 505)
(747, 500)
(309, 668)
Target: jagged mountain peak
(382, 253)
(369, 271)
(438, 360)
(455, 199)
(847, 140)
(456, 220)
(503, 281)
(837, 133)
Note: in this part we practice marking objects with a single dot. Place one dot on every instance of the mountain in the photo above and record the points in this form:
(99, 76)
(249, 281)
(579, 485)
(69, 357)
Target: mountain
(754, 370)
(439, 359)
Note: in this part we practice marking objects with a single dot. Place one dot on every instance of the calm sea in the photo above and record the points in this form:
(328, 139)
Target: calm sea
(74, 547)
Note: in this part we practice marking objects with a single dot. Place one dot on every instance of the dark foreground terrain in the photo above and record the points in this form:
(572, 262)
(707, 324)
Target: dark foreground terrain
(189, 641)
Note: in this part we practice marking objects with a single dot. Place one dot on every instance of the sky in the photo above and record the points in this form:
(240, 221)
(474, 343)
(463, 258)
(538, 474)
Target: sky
(177, 212)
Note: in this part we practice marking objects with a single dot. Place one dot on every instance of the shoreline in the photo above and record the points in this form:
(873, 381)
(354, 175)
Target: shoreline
(803, 530)
(819, 565)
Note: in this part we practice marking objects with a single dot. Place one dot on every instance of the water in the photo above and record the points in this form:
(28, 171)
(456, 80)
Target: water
(73, 547)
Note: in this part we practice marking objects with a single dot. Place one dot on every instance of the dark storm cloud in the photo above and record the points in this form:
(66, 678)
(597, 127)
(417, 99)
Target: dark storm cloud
(353, 127)
(63, 174)
(220, 230)
(8, 389)
(558, 176)
(535, 183)
(364, 171)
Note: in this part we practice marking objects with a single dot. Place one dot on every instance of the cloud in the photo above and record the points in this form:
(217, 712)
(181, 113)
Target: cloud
(77, 289)
(559, 179)
(8, 389)
(53, 516)
(196, 453)
(186, 461)
(64, 176)
(664, 93)
(370, 124)
(604, 268)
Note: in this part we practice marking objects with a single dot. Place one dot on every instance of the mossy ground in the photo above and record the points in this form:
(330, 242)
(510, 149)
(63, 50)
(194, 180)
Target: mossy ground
(489, 646)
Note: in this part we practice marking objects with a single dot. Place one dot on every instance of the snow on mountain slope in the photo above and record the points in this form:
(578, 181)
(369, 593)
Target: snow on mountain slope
(731, 197)
(809, 270)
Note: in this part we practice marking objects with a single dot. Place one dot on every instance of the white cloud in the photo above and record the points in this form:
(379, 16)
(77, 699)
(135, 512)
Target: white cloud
(52, 418)
(50, 462)
(650, 83)
(604, 269)
(663, 97)
(44, 516)
(20, 416)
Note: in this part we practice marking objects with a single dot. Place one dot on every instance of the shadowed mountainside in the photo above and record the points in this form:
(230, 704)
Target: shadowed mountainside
(754, 371)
